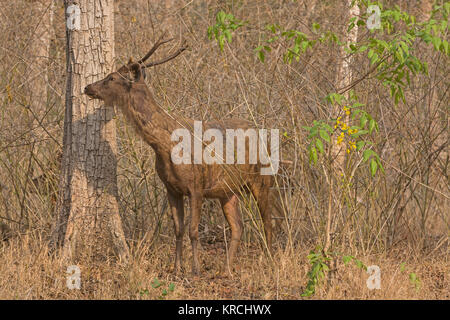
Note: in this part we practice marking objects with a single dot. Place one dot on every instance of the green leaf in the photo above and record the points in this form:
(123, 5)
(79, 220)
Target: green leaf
(371, 125)
(156, 283)
(304, 45)
(363, 120)
(313, 155)
(445, 46)
(356, 105)
(374, 58)
(362, 48)
(227, 34)
(359, 133)
(347, 259)
(328, 128)
(221, 42)
(413, 278)
(373, 167)
(324, 135)
(210, 32)
(315, 26)
(366, 154)
(379, 164)
(436, 41)
(360, 145)
(313, 132)
(361, 23)
(220, 18)
(360, 264)
(319, 145)
(261, 56)
(171, 287)
(351, 26)
(404, 47)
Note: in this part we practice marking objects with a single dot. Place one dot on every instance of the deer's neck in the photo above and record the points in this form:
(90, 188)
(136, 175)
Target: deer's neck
(153, 124)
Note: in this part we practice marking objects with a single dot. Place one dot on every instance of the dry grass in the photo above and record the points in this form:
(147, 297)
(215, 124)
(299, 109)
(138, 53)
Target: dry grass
(397, 221)
(28, 272)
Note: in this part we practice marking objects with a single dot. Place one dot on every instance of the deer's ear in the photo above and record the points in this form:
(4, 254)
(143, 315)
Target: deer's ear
(135, 72)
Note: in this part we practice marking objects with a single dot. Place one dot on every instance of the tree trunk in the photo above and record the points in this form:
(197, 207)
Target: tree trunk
(89, 224)
(344, 79)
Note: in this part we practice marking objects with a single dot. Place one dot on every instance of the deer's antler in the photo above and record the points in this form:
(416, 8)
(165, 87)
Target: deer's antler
(153, 49)
(173, 55)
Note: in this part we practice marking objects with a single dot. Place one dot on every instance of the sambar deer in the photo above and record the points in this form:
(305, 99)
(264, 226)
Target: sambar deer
(127, 90)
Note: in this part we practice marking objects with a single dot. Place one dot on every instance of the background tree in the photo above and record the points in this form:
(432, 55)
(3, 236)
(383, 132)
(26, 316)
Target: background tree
(398, 220)
(344, 77)
(89, 221)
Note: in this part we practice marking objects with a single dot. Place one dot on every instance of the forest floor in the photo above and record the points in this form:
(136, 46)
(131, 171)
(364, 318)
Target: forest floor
(27, 271)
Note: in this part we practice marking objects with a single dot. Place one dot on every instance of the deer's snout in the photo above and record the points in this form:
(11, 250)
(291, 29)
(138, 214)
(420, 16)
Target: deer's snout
(89, 90)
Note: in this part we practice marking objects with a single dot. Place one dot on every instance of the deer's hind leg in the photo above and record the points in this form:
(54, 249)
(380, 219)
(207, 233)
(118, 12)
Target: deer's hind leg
(261, 192)
(196, 208)
(177, 211)
(230, 207)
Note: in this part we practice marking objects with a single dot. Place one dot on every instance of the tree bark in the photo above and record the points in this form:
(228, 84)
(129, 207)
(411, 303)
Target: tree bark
(89, 223)
(344, 79)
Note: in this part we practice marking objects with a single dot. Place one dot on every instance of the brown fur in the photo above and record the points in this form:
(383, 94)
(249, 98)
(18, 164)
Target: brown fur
(127, 90)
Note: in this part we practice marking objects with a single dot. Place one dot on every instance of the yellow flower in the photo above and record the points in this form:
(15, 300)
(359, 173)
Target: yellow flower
(348, 150)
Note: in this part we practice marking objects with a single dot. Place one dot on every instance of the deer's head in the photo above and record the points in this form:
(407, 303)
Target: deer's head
(117, 85)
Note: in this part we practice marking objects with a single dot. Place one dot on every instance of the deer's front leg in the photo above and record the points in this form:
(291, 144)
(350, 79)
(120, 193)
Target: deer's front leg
(196, 207)
(230, 209)
(177, 210)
